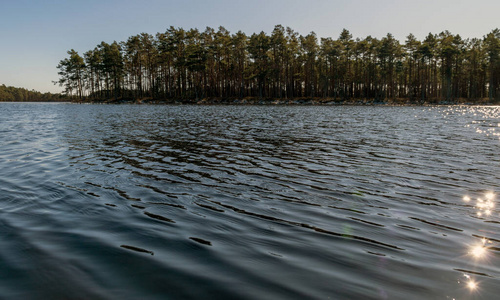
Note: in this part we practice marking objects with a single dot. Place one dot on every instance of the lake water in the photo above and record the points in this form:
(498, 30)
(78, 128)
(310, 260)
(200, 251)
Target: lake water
(249, 202)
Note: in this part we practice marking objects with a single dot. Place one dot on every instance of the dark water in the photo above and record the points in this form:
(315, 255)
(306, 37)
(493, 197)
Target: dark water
(180, 202)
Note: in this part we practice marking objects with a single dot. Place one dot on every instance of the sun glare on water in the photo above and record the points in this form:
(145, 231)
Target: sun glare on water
(489, 196)
(478, 251)
(472, 285)
(484, 206)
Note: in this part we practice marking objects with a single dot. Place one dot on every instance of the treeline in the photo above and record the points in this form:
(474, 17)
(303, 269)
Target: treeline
(9, 93)
(190, 64)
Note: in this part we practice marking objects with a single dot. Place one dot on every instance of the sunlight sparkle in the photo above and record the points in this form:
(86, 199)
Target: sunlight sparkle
(472, 285)
(478, 251)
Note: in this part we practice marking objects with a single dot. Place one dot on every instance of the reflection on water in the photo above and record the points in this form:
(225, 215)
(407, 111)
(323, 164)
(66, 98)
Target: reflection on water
(249, 202)
(479, 251)
(471, 284)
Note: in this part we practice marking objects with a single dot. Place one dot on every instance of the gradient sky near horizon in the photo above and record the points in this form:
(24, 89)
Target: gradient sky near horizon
(35, 35)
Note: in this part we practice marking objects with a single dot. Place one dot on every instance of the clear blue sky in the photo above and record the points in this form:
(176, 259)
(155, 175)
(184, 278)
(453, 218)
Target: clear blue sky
(35, 34)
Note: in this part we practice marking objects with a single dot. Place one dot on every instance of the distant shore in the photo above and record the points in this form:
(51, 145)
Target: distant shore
(298, 101)
(270, 101)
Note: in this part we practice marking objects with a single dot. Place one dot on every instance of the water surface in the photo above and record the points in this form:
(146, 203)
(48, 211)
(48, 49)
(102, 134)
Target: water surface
(248, 202)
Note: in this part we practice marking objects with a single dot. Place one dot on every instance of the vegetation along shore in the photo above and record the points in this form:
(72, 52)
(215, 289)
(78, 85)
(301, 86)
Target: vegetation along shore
(215, 66)
(15, 94)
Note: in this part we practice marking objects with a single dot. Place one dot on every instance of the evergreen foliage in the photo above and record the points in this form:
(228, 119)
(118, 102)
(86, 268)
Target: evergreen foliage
(193, 65)
(9, 93)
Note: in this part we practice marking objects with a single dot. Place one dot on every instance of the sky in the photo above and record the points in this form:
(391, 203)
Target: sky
(35, 35)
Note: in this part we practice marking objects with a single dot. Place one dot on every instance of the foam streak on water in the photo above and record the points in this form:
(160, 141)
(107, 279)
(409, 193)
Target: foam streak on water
(249, 202)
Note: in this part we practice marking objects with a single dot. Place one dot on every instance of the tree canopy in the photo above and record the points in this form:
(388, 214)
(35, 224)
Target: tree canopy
(191, 65)
(9, 93)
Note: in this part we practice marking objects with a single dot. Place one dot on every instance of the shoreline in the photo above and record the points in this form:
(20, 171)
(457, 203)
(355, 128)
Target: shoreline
(277, 102)
(294, 102)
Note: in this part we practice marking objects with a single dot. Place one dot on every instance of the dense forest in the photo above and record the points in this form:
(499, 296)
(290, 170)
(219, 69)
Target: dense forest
(191, 65)
(9, 93)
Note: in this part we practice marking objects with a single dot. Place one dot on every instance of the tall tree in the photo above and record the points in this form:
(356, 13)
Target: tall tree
(190, 65)
(258, 48)
(71, 71)
(309, 45)
(492, 41)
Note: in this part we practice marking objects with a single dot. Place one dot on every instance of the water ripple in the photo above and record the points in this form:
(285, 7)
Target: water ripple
(248, 202)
